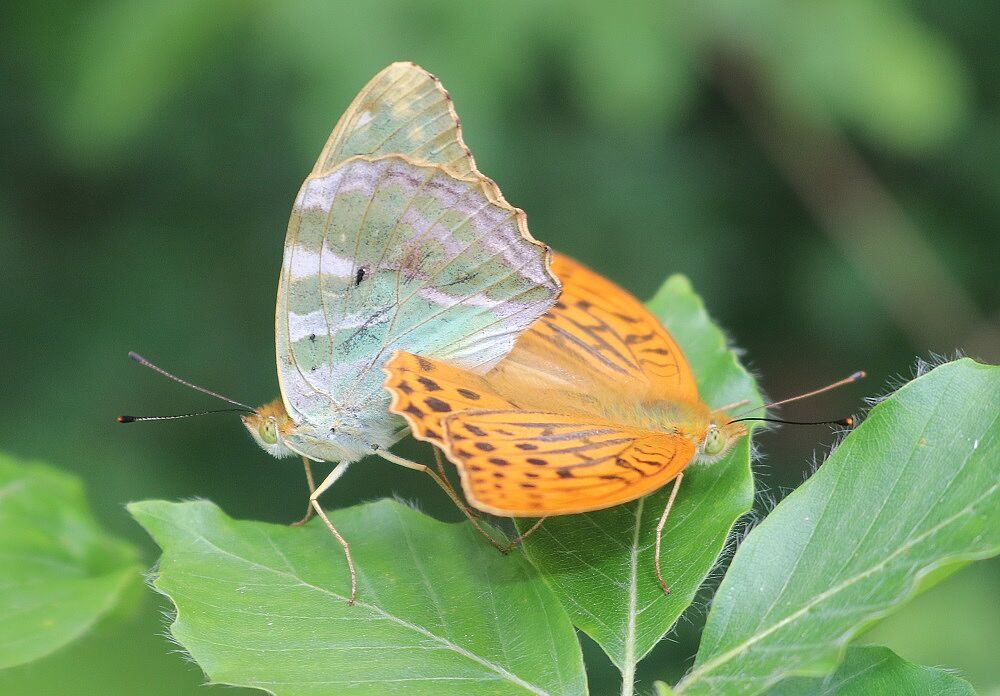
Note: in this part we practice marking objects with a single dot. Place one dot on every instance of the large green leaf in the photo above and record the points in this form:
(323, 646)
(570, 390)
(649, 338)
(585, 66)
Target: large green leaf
(439, 611)
(909, 496)
(866, 671)
(876, 670)
(59, 573)
(600, 564)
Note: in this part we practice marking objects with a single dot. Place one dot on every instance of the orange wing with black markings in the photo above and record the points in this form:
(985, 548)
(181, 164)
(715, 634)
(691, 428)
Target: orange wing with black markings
(425, 391)
(524, 463)
(606, 338)
(572, 419)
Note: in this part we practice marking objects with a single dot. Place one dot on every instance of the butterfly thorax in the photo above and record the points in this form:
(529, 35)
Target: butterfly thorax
(342, 436)
(689, 419)
(711, 432)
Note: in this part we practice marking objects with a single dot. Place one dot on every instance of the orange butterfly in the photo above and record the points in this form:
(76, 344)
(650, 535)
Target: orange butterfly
(595, 406)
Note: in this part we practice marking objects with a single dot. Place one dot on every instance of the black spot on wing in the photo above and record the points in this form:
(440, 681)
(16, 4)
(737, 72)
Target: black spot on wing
(429, 384)
(436, 405)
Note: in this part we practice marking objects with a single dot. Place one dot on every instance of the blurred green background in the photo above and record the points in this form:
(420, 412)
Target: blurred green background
(828, 175)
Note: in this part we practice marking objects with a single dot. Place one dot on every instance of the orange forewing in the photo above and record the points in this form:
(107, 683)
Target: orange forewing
(525, 463)
(604, 334)
(533, 437)
(425, 391)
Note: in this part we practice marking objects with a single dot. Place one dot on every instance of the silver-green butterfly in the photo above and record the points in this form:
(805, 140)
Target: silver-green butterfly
(396, 241)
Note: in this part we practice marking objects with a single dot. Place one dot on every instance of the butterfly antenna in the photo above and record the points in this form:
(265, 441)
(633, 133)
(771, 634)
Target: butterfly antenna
(145, 363)
(860, 374)
(844, 422)
(137, 419)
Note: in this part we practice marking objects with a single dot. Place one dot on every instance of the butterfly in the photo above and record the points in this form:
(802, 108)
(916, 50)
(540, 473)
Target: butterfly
(396, 242)
(595, 406)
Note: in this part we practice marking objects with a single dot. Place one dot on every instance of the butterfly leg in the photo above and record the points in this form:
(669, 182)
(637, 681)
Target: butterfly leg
(312, 488)
(521, 537)
(452, 493)
(659, 533)
(402, 461)
(331, 478)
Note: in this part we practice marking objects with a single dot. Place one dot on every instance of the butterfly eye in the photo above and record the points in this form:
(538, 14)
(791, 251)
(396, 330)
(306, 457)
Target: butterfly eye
(268, 433)
(714, 441)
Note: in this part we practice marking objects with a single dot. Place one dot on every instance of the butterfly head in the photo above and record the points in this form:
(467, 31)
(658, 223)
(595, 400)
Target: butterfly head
(267, 425)
(719, 438)
(344, 436)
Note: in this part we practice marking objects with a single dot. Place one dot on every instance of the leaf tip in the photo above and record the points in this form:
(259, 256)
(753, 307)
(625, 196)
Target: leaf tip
(675, 284)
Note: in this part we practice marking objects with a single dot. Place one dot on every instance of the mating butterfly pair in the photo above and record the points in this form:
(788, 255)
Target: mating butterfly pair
(412, 294)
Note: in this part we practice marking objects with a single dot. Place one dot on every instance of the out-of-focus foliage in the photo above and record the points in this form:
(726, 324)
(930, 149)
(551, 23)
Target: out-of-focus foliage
(152, 151)
(60, 574)
(877, 671)
(868, 63)
(867, 671)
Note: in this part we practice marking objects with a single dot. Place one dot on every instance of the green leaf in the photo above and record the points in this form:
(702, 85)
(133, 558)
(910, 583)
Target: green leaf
(600, 564)
(877, 670)
(908, 497)
(59, 573)
(439, 611)
(869, 670)
(965, 609)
